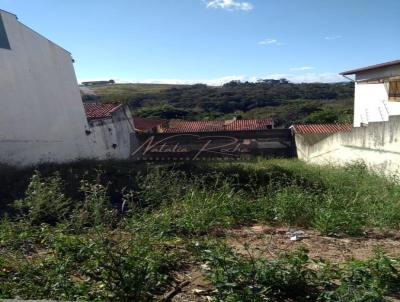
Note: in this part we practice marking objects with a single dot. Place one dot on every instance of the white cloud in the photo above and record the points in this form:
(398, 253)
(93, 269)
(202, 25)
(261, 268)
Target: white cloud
(230, 5)
(302, 68)
(270, 42)
(327, 77)
(330, 38)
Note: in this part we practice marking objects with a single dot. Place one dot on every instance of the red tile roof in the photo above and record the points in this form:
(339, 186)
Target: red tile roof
(176, 126)
(99, 111)
(146, 124)
(321, 128)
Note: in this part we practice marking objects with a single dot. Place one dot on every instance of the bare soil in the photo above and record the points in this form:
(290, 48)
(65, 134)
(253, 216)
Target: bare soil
(269, 242)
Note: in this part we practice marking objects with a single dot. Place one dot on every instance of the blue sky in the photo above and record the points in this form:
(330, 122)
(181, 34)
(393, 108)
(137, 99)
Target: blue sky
(214, 41)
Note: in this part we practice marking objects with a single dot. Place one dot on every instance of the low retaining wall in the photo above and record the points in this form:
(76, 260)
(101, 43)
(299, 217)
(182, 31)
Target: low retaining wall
(377, 145)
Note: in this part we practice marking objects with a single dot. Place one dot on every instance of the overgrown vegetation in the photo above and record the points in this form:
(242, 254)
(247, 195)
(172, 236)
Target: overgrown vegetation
(120, 231)
(286, 102)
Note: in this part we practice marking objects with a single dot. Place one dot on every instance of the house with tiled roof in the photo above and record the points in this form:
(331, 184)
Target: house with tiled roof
(156, 125)
(233, 125)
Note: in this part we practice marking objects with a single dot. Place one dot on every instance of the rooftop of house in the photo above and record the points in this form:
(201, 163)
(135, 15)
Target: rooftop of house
(181, 126)
(372, 67)
(100, 111)
(321, 128)
(176, 126)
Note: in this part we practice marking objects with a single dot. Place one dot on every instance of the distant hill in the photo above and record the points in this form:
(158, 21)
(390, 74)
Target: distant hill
(286, 102)
(123, 92)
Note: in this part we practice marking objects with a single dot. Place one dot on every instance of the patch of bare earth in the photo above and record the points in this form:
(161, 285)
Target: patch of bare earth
(270, 242)
(196, 287)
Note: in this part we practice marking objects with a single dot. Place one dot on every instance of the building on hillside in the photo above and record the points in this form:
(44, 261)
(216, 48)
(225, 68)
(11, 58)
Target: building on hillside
(42, 118)
(92, 83)
(377, 92)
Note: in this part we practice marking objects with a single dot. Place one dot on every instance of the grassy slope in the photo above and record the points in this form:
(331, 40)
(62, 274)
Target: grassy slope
(120, 92)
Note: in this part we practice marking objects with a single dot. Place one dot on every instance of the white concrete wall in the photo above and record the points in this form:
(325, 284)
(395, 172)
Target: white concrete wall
(378, 145)
(303, 143)
(41, 117)
(111, 138)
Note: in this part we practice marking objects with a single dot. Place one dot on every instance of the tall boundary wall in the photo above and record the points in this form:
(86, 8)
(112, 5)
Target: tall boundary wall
(377, 145)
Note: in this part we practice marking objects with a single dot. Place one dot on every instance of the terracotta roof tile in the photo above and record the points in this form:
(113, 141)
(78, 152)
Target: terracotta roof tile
(176, 126)
(321, 128)
(99, 111)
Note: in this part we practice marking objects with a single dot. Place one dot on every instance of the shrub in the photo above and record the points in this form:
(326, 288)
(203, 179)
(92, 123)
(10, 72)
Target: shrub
(246, 278)
(159, 186)
(45, 201)
(95, 210)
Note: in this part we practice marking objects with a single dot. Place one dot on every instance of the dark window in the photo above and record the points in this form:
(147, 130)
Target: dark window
(3, 36)
(394, 91)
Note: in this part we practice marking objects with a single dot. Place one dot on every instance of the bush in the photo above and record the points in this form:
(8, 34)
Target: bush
(45, 201)
(95, 210)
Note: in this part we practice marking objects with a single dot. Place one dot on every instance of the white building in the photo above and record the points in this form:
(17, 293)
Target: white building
(377, 92)
(42, 118)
